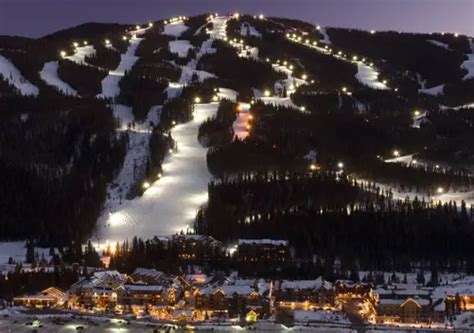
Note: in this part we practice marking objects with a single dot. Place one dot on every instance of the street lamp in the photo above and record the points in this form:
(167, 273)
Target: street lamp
(215, 98)
(261, 17)
(150, 24)
(303, 108)
(340, 165)
(440, 190)
(75, 44)
(312, 167)
(137, 27)
(85, 42)
(197, 99)
(146, 185)
(267, 93)
(304, 76)
(396, 153)
(62, 53)
(417, 113)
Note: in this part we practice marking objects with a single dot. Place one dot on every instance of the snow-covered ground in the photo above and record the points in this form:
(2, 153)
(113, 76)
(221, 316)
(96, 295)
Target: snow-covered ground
(110, 84)
(438, 43)
(406, 159)
(240, 124)
(80, 53)
(180, 47)
(226, 93)
(171, 203)
(248, 30)
(436, 90)
(469, 66)
(49, 74)
(219, 27)
(368, 76)
(326, 39)
(17, 251)
(14, 77)
(175, 28)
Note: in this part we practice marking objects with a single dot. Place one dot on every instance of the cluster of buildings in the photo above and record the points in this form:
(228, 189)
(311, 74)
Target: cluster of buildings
(149, 293)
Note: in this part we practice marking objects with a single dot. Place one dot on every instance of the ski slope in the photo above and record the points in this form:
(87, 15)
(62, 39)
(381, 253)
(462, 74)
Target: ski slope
(49, 74)
(469, 63)
(171, 203)
(81, 53)
(175, 28)
(240, 124)
(180, 47)
(110, 84)
(14, 77)
(368, 76)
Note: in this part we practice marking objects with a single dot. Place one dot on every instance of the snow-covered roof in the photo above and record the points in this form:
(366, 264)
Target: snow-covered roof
(320, 316)
(143, 288)
(229, 290)
(263, 242)
(148, 273)
(304, 284)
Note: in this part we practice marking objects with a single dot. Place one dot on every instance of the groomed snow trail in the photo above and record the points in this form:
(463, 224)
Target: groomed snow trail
(110, 84)
(49, 74)
(81, 53)
(171, 203)
(14, 77)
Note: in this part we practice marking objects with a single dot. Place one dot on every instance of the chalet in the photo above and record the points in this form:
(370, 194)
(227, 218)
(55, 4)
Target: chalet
(262, 255)
(48, 298)
(408, 306)
(192, 248)
(99, 291)
(303, 294)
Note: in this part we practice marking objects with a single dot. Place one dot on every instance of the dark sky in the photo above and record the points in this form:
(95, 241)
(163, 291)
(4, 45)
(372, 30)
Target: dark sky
(38, 17)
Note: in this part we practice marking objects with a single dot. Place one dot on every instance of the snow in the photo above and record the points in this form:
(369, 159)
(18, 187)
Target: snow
(49, 74)
(464, 106)
(180, 47)
(14, 77)
(434, 91)
(171, 203)
(17, 251)
(326, 39)
(80, 54)
(173, 90)
(304, 284)
(438, 43)
(248, 30)
(368, 76)
(110, 84)
(240, 124)
(407, 159)
(175, 28)
(219, 27)
(321, 316)
(225, 93)
(469, 63)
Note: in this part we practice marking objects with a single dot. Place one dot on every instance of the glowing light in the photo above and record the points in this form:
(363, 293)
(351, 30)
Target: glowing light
(173, 122)
(312, 167)
(384, 81)
(302, 108)
(437, 166)
(299, 39)
(170, 151)
(236, 15)
(75, 44)
(124, 37)
(85, 42)
(250, 117)
(267, 93)
(197, 99)
(456, 34)
(344, 89)
(291, 67)
(166, 22)
(440, 190)
(304, 76)
(315, 43)
(372, 32)
(285, 63)
(354, 58)
(248, 126)
(107, 42)
(414, 162)
(63, 53)
(261, 17)
(146, 185)
(137, 27)
(396, 153)
(417, 113)
(215, 98)
(318, 27)
(340, 165)
(116, 219)
(150, 24)
(339, 53)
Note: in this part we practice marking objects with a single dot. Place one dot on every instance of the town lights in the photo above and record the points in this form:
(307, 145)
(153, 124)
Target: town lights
(339, 53)
(215, 98)
(62, 53)
(440, 190)
(354, 58)
(248, 127)
(267, 93)
(304, 76)
(250, 117)
(107, 42)
(287, 35)
(291, 67)
(197, 99)
(137, 27)
(416, 113)
(340, 165)
(385, 82)
(75, 44)
(344, 89)
(396, 153)
(299, 39)
(315, 43)
(312, 167)
(285, 63)
(146, 185)
(85, 42)
(124, 37)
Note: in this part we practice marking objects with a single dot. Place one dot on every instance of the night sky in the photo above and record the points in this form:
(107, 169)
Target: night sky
(36, 18)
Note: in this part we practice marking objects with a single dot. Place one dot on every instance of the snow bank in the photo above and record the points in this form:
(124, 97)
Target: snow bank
(227, 94)
(175, 29)
(469, 66)
(49, 74)
(248, 30)
(110, 84)
(406, 159)
(368, 76)
(171, 203)
(14, 77)
(180, 47)
(80, 54)
(219, 27)
(438, 43)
